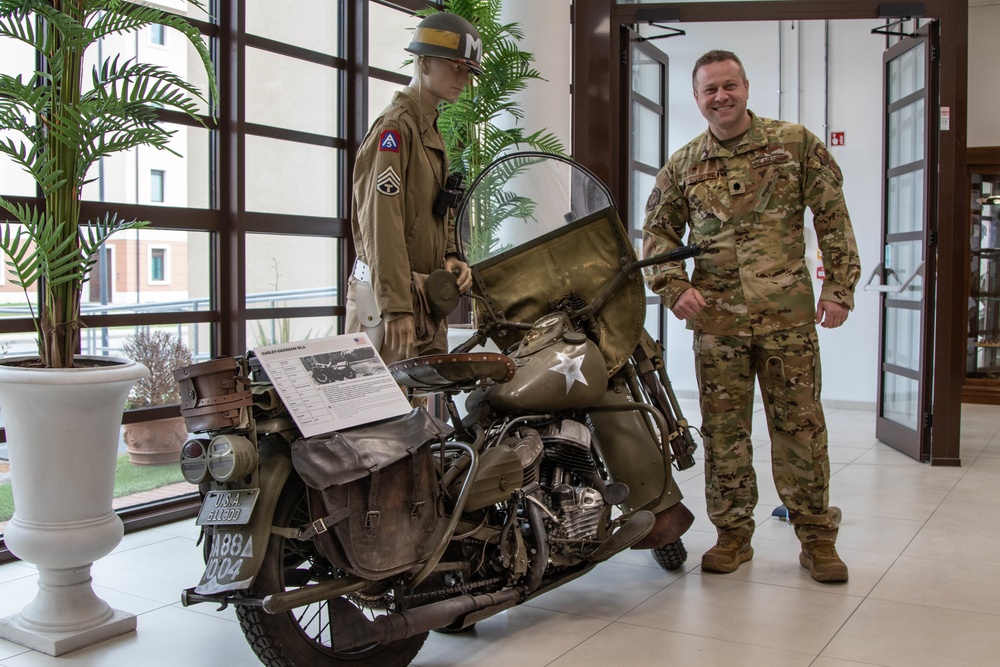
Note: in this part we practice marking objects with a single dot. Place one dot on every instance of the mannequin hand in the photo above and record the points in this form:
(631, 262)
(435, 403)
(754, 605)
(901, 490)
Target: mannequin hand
(461, 271)
(400, 335)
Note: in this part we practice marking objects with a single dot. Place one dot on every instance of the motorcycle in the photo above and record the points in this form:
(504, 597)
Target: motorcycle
(348, 548)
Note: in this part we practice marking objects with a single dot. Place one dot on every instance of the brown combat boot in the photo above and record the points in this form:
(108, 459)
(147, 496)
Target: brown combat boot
(729, 551)
(821, 559)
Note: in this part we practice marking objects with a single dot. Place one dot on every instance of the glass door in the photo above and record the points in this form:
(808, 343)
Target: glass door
(905, 278)
(645, 69)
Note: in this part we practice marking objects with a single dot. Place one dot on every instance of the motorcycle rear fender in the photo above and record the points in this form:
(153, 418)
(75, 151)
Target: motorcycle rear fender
(237, 552)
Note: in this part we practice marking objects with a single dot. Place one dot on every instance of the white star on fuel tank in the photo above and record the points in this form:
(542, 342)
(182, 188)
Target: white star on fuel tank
(570, 367)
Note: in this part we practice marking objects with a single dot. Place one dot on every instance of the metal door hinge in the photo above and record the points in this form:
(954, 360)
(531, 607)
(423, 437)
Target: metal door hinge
(932, 237)
(928, 420)
(935, 53)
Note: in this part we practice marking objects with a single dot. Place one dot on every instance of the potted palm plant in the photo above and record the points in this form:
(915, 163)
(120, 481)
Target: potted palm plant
(470, 129)
(62, 413)
(158, 441)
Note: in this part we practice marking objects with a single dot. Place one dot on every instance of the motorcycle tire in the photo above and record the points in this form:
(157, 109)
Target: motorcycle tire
(671, 557)
(296, 638)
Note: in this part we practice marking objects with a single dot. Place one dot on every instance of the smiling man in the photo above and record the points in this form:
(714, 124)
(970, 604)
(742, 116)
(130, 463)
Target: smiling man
(740, 190)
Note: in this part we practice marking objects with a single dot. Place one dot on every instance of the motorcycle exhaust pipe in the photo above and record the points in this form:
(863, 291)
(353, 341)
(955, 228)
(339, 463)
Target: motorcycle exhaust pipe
(354, 630)
(299, 597)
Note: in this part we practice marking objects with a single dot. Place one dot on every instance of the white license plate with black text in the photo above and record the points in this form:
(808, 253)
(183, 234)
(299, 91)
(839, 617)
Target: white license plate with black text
(227, 508)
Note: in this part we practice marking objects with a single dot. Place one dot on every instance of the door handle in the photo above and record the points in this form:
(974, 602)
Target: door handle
(881, 272)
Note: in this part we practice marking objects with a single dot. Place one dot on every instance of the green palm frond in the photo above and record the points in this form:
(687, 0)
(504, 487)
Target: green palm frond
(56, 132)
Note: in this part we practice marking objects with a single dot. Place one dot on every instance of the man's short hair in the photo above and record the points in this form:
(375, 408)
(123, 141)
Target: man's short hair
(715, 56)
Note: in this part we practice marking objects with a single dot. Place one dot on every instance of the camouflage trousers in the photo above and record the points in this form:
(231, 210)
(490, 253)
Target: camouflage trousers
(786, 363)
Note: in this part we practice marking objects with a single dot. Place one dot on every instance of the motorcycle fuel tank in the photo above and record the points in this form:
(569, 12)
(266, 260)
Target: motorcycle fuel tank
(557, 369)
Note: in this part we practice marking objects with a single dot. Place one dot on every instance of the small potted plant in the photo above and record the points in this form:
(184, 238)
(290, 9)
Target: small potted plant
(158, 441)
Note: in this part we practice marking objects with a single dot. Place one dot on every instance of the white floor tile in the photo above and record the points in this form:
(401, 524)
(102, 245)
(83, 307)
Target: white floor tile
(623, 645)
(609, 591)
(166, 637)
(776, 617)
(905, 635)
(523, 636)
(971, 587)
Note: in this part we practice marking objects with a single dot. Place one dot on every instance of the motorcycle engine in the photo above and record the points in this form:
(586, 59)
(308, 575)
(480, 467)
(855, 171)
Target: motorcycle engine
(566, 468)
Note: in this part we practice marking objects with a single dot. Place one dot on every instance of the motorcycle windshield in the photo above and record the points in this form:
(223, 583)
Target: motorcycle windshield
(523, 196)
(541, 233)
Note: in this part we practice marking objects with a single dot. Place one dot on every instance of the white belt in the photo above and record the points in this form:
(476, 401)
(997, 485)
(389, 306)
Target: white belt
(361, 272)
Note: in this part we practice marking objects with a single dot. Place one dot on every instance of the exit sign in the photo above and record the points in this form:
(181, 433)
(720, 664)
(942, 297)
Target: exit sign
(837, 139)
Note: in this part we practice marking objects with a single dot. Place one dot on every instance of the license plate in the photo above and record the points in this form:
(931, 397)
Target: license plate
(227, 508)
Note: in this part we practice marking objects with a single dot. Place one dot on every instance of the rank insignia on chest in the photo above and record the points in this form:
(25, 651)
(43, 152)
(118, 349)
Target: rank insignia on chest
(388, 182)
(389, 141)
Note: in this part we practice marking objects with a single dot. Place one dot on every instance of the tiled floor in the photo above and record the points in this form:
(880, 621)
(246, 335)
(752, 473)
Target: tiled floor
(923, 545)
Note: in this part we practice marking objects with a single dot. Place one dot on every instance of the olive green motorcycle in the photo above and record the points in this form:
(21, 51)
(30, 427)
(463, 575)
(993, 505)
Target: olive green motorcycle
(555, 449)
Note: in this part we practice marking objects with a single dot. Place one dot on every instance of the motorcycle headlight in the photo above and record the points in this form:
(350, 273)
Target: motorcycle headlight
(231, 457)
(194, 461)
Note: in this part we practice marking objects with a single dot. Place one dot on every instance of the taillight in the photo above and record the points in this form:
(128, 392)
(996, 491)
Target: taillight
(194, 461)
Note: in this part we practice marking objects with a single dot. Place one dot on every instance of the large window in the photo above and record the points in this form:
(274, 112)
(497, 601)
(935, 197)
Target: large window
(250, 236)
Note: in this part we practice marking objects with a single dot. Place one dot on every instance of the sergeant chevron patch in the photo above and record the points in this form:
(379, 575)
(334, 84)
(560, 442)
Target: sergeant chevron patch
(388, 182)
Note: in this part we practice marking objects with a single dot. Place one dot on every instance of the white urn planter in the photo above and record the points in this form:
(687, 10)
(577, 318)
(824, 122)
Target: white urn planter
(62, 428)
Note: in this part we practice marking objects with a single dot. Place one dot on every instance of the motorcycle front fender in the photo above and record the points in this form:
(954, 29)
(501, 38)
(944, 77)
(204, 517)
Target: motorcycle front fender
(630, 452)
(236, 552)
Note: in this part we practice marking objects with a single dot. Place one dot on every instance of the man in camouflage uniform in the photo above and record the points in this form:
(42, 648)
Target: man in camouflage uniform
(741, 188)
(399, 173)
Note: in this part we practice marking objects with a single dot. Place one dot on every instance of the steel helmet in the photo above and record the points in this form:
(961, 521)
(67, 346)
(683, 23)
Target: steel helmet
(446, 35)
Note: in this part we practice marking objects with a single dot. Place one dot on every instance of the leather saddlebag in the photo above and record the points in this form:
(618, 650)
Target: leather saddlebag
(374, 493)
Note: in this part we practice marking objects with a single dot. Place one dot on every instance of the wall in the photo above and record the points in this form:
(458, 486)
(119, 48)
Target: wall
(547, 35)
(984, 75)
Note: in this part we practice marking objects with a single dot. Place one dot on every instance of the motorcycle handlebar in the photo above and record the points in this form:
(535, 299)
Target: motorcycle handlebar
(675, 255)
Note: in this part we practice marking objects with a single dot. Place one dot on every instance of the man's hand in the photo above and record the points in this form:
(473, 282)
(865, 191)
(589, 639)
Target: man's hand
(400, 335)
(831, 315)
(688, 304)
(461, 271)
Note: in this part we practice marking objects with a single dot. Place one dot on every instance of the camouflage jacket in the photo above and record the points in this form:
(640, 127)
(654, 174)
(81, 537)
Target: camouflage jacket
(746, 208)
(399, 171)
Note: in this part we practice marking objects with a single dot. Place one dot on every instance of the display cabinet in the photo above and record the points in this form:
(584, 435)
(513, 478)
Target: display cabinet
(983, 345)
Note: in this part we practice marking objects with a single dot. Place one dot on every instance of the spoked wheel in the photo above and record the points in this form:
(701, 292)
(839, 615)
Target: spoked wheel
(302, 637)
(671, 556)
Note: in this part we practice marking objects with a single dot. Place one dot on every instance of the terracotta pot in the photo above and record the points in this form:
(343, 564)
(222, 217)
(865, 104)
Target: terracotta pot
(62, 436)
(155, 442)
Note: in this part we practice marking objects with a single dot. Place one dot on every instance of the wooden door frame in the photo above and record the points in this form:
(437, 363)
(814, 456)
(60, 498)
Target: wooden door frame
(596, 121)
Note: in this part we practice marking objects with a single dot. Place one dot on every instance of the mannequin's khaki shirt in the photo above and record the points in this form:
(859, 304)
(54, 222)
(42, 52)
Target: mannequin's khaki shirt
(400, 169)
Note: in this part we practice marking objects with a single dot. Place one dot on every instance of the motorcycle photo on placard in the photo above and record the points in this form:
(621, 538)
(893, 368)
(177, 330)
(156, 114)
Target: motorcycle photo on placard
(344, 539)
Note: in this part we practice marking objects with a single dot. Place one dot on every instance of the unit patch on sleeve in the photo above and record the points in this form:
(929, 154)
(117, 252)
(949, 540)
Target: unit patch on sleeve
(389, 141)
(388, 182)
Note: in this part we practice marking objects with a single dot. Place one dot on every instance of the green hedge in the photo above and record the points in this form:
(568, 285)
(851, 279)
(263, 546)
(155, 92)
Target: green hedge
(129, 479)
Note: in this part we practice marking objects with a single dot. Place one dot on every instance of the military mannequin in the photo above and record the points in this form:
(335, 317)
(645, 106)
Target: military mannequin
(402, 233)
